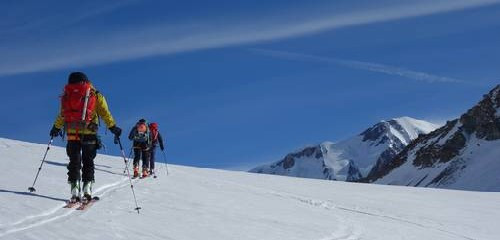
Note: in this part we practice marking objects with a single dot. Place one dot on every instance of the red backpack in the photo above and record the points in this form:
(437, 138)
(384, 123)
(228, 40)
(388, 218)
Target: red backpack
(154, 131)
(78, 104)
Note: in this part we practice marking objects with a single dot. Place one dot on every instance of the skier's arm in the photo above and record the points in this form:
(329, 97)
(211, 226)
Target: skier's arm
(132, 133)
(103, 111)
(59, 122)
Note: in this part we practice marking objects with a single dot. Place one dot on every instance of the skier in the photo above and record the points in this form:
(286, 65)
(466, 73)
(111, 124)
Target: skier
(81, 108)
(156, 138)
(140, 135)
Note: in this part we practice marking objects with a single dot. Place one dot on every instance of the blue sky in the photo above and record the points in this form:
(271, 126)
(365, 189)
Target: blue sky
(237, 83)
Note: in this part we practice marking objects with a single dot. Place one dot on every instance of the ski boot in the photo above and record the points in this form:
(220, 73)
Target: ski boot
(87, 191)
(152, 173)
(75, 191)
(145, 172)
(136, 171)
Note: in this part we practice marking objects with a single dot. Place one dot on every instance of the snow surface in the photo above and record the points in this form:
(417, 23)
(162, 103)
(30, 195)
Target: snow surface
(476, 169)
(413, 127)
(366, 153)
(194, 203)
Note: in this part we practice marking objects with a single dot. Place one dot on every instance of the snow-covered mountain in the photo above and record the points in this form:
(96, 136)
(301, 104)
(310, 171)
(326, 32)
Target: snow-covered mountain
(351, 159)
(463, 154)
(193, 203)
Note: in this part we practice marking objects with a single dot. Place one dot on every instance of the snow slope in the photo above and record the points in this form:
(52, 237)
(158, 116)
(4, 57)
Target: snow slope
(477, 168)
(351, 159)
(193, 203)
(464, 154)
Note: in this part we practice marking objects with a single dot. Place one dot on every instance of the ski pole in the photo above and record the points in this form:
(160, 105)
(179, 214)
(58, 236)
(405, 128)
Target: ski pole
(165, 158)
(32, 188)
(128, 161)
(117, 140)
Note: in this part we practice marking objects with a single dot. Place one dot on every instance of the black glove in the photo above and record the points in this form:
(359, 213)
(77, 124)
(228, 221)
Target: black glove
(162, 148)
(55, 132)
(116, 131)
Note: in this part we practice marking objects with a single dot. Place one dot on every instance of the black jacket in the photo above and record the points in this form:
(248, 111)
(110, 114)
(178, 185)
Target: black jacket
(159, 140)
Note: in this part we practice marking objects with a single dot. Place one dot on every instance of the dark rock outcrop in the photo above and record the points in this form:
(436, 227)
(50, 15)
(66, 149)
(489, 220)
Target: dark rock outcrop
(444, 144)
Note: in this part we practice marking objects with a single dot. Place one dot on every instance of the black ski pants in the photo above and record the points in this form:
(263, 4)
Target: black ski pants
(152, 157)
(141, 153)
(82, 152)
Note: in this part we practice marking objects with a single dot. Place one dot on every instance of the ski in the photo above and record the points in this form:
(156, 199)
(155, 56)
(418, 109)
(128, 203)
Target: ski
(70, 204)
(144, 176)
(87, 204)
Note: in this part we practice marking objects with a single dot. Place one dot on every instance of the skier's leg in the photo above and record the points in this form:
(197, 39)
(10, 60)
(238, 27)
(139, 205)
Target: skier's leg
(152, 159)
(73, 149)
(137, 157)
(89, 152)
(145, 162)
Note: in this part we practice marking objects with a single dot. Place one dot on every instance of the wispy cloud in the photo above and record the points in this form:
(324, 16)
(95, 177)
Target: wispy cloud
(63, 19)
(367, 66)
(65, 50)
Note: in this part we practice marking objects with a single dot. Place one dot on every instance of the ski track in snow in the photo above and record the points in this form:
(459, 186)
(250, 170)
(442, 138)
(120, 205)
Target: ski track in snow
(454, 234)
(56, 213)
(322, 214)
(331, 206)
(345, 227)
(346, 231)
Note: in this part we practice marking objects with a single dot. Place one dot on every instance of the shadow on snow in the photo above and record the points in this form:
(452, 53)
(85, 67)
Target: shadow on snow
(32, 194)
